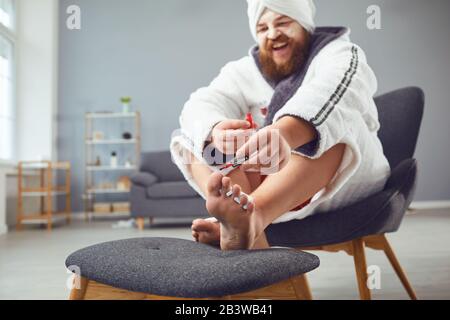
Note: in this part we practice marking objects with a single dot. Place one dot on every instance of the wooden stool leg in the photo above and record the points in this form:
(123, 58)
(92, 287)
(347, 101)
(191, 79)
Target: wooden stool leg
(397, 267)
(49, 224)
(140, 223)
(79, 293)
(302, 288)
(359, 257)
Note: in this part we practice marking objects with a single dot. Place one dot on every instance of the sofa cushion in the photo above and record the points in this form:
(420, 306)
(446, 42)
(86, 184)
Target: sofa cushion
(161, 165)
(169, 190)
(144, 179)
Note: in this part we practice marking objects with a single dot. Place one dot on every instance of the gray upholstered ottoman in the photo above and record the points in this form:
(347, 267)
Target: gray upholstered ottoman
(155, 268)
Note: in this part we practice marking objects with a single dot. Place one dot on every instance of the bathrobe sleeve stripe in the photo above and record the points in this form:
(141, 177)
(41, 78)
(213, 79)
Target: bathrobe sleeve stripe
(340, 91)
(336, 99)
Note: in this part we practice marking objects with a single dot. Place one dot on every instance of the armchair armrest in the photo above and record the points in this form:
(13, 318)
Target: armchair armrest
(144, 179)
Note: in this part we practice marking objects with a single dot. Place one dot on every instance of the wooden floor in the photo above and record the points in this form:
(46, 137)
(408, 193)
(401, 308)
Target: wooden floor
(32, 261)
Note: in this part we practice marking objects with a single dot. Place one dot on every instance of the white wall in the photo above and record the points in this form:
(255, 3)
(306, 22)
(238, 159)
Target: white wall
(37, 61)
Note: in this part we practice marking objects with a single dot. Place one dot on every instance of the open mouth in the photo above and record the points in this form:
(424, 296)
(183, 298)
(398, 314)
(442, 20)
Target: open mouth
(279, 46)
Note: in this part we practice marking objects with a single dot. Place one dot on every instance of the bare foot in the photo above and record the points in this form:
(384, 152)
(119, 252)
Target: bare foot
(205, 231)
(235, 212)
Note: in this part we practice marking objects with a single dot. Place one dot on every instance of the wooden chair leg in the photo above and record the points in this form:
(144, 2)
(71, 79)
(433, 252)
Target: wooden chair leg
(79, 293)
(302, 288)
(397, 267)
(140, 223)
(359, 257)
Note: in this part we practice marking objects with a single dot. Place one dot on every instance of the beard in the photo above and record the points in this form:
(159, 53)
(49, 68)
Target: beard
(277, 72)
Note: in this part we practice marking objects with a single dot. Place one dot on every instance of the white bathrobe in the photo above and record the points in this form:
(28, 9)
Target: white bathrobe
(336, 97)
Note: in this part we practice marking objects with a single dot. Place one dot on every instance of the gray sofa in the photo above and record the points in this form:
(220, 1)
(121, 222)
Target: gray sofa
(160, 190)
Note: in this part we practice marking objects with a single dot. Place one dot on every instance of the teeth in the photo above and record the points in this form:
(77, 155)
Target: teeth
(279, 45)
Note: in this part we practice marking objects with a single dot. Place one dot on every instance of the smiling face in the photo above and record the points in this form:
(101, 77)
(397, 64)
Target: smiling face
(283, 44)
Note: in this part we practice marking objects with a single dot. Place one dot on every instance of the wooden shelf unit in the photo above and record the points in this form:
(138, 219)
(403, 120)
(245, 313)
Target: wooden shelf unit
(46, 192)
(94, 193)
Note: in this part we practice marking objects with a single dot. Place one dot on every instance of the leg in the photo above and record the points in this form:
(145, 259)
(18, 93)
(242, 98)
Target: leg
(278, 194)
(140, 222)
(281, 192)
(301, 287)
(80, 292)
(359, 257)
(397, 267)
(208, 232)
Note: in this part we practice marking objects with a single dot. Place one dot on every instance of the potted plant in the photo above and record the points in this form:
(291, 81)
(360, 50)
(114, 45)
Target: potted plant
(125, 104)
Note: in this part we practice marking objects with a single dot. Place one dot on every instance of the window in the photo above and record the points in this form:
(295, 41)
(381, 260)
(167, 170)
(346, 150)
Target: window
(7, 13)
(7, 106)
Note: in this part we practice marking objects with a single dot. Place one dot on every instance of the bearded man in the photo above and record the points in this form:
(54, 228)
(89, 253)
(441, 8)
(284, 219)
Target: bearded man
(310, 91)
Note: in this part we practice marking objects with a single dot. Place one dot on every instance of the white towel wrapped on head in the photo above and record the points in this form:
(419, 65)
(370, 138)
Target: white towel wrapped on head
(302, 11)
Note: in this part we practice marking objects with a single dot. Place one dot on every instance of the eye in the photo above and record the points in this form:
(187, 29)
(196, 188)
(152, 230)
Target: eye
(262, 29)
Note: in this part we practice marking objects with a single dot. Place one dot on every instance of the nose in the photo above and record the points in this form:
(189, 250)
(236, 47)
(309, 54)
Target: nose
(273, 33)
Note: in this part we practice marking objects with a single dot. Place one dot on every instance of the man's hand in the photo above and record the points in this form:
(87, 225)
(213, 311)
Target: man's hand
(268, 151)
(229, 135)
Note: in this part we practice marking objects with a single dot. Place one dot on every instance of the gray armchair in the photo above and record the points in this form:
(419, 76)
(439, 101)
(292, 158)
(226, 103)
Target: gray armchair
(366, 223)
(160, 190)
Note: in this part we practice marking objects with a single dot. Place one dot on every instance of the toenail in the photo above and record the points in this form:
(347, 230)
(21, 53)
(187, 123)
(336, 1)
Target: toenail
(229, 193)
(237, 200)
(245, 207)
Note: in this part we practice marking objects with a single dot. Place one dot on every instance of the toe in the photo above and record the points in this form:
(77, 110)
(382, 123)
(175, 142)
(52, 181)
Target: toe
(244, 199)
(203, 225)
(195, 224)
(250, 206)
(226, 184)
(214, 184)
(236, 191)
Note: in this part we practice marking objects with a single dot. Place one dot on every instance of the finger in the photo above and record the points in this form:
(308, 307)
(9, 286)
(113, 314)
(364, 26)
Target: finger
(250, 168)
(229, 147)
(250, 147)
(234, 134)
(234, 124)
(255, 143)
(265, 156)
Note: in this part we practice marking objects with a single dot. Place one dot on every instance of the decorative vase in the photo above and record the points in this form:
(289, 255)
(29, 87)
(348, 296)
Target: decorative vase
(113, 161)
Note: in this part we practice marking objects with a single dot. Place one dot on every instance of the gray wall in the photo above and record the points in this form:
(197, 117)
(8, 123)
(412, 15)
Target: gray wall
(158, 52)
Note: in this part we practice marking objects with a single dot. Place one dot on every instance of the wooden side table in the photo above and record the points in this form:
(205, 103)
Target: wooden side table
(46, 191)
